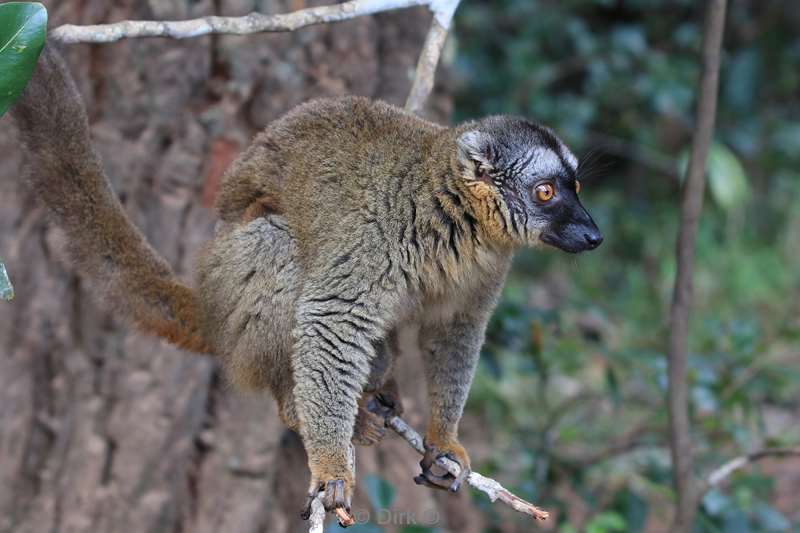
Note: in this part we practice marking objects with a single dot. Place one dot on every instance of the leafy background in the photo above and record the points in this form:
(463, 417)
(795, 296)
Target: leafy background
(572, 381)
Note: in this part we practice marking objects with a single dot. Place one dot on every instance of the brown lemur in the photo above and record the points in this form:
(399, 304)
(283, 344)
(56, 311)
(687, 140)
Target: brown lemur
(347, 228)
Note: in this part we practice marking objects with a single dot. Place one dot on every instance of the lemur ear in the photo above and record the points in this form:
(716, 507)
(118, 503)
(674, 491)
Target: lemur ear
(474, 148)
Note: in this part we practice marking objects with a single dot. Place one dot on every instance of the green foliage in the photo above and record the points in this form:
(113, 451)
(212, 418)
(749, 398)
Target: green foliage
(573, 377)
(6, 289)
(381, 493)
(726, 178)
(606, 523)
(22, 33)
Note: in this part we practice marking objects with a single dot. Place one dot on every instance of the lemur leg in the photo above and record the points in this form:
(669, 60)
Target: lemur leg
(450, 354)
(337, 329)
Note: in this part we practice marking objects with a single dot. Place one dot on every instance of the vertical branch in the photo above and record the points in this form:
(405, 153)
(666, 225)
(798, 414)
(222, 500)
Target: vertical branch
(443, 11)
(691, 205)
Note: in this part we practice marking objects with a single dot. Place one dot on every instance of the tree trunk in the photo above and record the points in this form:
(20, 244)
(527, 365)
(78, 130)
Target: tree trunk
(104, 429)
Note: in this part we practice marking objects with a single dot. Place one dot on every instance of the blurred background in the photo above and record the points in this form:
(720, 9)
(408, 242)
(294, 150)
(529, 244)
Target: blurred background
(572, 382)
(102, 429)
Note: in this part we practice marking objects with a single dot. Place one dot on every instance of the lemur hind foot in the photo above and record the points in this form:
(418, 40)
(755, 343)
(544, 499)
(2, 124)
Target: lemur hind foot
(435, 476)
(374, 410)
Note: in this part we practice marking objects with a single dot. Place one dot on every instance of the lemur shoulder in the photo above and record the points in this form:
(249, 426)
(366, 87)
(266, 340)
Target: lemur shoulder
(347, 222)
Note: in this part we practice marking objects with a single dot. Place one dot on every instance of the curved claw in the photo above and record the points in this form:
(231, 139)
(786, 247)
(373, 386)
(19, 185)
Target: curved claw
(334, 498)
(305, 512)
(444, 480)
(429, 479)
(386, 402)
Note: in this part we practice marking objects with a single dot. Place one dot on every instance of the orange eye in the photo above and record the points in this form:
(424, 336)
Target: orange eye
(577, 186)
(545, 191)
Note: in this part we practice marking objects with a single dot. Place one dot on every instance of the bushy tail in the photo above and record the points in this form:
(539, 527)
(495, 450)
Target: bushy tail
(68, 177)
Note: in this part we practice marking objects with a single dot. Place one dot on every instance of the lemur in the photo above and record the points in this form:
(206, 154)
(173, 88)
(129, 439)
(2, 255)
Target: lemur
(346, 224)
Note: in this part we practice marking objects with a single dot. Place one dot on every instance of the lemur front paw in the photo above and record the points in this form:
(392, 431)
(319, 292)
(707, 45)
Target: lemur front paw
(435, 476)
(337, 493)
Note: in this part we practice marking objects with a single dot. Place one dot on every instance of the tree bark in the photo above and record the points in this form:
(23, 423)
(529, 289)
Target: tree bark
(691, 206)
(104, 429)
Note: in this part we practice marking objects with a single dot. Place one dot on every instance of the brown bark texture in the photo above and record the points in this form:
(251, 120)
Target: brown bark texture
(104, 429)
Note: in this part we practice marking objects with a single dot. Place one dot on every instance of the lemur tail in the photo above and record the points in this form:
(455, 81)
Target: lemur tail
(67, 175)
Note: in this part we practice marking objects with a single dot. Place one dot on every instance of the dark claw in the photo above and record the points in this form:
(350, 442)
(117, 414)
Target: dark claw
(444, 480)
(333, 499)
(463, 475)
(305, 512)
(334, 495)
(429, 479)
(385, 404)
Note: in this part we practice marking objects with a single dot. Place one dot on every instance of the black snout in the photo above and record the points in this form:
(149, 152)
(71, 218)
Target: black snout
(578, 233)
(593, 239)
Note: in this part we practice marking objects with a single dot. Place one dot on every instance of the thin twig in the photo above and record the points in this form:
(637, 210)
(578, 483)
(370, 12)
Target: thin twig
(722, 473)
(494, 490)
(631, 440)
(252, 23)
(691, 206)
(422, 86)
(316, 521)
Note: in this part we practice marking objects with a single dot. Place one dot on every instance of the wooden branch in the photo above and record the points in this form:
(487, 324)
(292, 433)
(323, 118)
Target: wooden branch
(252, 23)
(442, 10)
(691, 206)
(629, 441)
(494, 490)
(722, 473)
(316, 521)
(431, 52)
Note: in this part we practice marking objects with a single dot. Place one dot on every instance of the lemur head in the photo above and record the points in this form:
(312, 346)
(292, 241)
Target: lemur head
(523, 183)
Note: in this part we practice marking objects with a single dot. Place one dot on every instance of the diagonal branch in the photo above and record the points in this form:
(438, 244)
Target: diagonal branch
(722, 473)
(494, 490)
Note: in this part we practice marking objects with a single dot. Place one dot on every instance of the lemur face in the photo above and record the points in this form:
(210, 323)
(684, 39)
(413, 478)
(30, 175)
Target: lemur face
(529, 184)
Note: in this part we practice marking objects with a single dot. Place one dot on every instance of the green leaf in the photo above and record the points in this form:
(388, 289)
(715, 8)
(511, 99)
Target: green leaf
(381, 493)
(606, 522)
(23, 26)
(726, 177)
(771, 519)
(6, 290)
